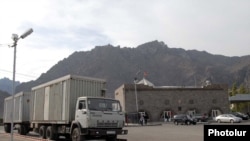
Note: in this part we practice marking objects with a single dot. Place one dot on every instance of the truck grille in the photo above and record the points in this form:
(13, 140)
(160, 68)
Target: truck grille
(106, 124)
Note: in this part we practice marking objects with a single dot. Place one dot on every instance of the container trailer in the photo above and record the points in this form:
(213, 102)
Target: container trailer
(21, 111)
(71, 106)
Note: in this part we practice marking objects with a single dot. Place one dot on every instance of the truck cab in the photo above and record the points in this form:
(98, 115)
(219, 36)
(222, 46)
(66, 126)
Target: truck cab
(98, 118)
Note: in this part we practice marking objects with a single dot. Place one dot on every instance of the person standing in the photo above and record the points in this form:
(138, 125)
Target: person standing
(142, 120)
(146, 118)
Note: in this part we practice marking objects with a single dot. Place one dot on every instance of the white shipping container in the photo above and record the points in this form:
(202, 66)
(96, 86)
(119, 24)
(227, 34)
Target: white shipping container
(21, 109)
(55, 101)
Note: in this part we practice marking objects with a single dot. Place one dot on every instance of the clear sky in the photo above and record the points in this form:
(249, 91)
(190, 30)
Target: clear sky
(62, 27)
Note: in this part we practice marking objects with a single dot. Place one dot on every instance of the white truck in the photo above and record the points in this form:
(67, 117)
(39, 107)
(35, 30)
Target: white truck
(70, 106)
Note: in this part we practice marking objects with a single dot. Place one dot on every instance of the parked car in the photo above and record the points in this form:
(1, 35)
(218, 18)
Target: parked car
(200, 117)
(241, 115)
(183, 119)
(227, 118)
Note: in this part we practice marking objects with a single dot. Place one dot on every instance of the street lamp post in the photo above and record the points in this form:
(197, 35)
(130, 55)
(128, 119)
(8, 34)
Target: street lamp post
(136, 100)
(15, 38)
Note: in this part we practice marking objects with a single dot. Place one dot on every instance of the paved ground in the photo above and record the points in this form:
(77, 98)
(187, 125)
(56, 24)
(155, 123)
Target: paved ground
(165, 132)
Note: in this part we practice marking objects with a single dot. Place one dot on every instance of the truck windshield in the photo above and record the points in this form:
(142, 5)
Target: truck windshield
(104, 105)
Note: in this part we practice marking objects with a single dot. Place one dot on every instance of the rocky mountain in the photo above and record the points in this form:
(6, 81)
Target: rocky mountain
(6, 85)
(164, 65)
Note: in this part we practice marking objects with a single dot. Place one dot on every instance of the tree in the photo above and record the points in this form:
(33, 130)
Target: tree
(233, 91)
(243, 105)
(241, 90)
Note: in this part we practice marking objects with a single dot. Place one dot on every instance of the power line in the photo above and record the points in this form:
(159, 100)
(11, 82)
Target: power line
(26, 75)
(5, 45)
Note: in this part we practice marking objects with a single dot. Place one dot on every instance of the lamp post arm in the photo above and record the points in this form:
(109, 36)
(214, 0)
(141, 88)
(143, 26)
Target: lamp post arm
(27, 33)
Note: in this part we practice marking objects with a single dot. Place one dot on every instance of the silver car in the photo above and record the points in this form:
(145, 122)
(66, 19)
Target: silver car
(227, 118)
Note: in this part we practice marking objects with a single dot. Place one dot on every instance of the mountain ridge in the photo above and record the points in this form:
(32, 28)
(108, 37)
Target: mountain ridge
(166, 66)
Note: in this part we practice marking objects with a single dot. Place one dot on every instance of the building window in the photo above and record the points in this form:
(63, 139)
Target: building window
(191, 101)
(141, 102)
(179, 108)
(166, 102)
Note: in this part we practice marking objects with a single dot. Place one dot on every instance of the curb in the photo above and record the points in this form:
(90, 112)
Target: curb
(139, 125)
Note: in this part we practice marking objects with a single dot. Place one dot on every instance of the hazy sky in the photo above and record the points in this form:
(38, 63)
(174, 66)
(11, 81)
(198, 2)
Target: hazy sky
(62, 27)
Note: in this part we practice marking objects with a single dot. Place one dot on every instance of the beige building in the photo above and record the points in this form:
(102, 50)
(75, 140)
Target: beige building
(158, 101)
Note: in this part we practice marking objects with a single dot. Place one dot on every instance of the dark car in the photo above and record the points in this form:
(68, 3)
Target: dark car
(241, 115)
(200, 117)
(183, 119)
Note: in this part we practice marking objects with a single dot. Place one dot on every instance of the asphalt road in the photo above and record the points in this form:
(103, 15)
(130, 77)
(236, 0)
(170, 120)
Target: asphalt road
(171, 132)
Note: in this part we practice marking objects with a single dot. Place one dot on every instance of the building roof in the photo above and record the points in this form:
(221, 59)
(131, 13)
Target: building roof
(144, 81)
(240, 98)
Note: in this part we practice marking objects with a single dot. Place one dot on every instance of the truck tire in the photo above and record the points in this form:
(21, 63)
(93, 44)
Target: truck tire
(22, 130)
(76, 135)
(42, 132)
(67, 136)
(7, 128)
(50, 133)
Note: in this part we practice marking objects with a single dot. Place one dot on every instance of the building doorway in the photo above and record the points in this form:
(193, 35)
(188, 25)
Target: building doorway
(215, 112)
(191, 112)
(167, 115)
(143, 117)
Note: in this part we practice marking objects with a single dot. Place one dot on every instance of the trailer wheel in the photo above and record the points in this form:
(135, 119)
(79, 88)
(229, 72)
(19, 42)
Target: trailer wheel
(22, 130)
(7, 128)
(42, 132)
(50, 133)
(76, 136)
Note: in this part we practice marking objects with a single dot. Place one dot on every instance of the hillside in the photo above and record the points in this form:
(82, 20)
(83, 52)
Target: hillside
(6, 85)
(165, 66)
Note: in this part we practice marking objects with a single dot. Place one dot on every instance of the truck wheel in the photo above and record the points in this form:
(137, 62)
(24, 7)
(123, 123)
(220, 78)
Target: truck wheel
(42, 132)
(22, 130)
(50, 133)
(76, 136)
(7, 128)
